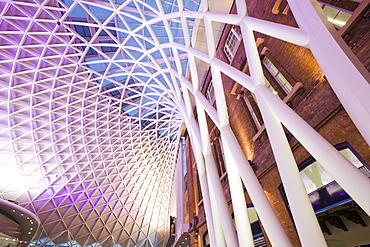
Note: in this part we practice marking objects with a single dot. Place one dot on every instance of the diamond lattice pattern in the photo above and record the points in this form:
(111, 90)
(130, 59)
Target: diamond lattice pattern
(89, 121)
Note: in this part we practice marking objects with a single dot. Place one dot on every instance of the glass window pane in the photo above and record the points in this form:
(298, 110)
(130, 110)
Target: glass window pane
(330, 12)
(341, 19)
(314, 177)
(206, 239)
(274, 70)
(268, 85)
(252, 214)
(281, 78)
(267, 62)
(351, 157)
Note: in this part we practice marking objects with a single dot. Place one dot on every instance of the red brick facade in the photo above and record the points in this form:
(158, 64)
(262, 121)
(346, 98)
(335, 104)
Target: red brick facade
(314, 101)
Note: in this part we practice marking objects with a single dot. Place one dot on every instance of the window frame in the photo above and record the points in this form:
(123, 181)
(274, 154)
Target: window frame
(278, 76)
(219, 155)
(232, 43)
(331, 20)
(205, 238)
(311, 160)
(251, 110)
(210, 93)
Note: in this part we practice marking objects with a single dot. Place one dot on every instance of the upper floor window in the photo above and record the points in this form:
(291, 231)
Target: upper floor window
(232, 43)
(206, 241)
(269, 86)
(337, 16)
(314, 176)
(111, 90)
(199, 191)
(278, 76)
(219, 155)
(258, 237)
(210, 93)
(249, 100)
(323, 191)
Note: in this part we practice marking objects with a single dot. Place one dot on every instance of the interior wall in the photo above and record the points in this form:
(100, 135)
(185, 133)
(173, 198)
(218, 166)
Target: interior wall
(355, 236)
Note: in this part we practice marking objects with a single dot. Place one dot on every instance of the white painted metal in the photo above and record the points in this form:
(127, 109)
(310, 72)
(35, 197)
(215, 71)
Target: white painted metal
(242, 224)
(348, 176)
(89, 164)
(263, 207)
(308, 228)
(347, 76)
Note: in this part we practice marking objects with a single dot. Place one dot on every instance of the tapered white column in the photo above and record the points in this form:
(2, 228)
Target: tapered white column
(352, 180)
(263, 207)
(242, 222)
(346, 74)
(216, 236)
(214, 180)
(220, 235)
(308, 228)
(221, 203)
(214, 227)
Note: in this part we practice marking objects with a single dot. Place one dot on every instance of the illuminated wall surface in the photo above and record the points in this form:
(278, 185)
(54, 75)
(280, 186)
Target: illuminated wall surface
(88, 123)
(94, 93)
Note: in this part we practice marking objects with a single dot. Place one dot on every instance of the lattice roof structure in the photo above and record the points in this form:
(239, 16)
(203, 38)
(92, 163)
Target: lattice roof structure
(89, 123)
(93, 97)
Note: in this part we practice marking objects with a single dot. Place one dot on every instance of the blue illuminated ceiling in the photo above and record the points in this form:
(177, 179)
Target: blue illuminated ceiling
(120, 49)
(90, 116)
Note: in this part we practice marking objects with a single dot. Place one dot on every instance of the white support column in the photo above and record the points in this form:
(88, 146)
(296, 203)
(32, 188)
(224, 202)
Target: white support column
(236, 189)
(263, 207)
(214, 218)
(347, 76)
(221, 203)
(217, 219)
(243, 226)
(305, 219)
(352, 180)
(215, 184)
(214, 227)
(291, 34)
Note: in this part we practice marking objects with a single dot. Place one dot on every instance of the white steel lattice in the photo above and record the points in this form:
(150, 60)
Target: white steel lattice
(88, 120)
(93, 94)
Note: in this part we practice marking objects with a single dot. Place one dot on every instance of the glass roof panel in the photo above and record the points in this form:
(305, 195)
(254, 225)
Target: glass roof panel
(91, 81)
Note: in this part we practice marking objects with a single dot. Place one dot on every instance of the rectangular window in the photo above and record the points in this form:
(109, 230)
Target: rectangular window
(183, 153)
(269, 86)
(199, 192)
(323, 191)
(258, 237)
(84, 31)
(219, 155)
(248, 103)
(90, 51)
(210, 93)
(232, 43)
(112, 92)
(315, 177)
(108, 48)
(278, 76)
(337, 16)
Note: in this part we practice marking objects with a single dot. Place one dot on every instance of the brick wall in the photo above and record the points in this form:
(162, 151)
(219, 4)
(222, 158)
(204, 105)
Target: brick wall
(315, 102)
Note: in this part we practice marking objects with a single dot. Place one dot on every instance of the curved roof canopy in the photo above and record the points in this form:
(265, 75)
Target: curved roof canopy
(89, 116)
(93, 95)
